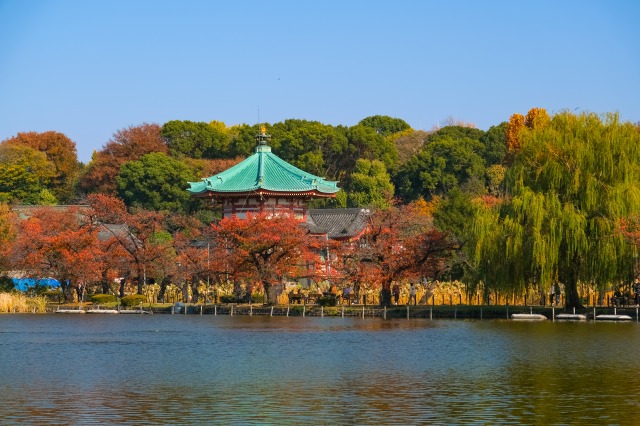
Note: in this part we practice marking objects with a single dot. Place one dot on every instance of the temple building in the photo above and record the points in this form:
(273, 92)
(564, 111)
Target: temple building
(264, 183)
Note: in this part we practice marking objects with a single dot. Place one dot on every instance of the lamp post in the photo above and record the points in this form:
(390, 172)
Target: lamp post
(178, 274)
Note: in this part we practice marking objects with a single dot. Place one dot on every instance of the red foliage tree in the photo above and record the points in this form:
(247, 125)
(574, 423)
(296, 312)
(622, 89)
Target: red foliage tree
(59, 243)
(400, 243)
(141, 235)
(263, 248)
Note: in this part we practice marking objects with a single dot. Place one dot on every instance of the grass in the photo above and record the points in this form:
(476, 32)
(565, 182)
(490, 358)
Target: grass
(19, 303)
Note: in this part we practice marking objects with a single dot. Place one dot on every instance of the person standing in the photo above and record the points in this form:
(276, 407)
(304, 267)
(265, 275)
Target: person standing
(552, 295)
(636, 291)
(396, 293)
(412, 294)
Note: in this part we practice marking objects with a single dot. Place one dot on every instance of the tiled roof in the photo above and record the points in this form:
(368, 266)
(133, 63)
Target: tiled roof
(264, 171)
(337, 223)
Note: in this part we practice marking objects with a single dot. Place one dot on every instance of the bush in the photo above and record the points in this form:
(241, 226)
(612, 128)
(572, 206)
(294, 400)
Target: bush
(327, 301)
(100, 299)
(227, 298)
(133, 300)
(6, 284)
(53, 295)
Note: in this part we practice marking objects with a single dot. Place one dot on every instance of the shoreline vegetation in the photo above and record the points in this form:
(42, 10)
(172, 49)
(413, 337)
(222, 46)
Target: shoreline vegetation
(20, 303)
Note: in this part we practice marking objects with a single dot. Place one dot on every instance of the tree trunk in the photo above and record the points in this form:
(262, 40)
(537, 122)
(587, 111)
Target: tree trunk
(105, 284)
(194, 288)
(571, 296)
(67, 290)
(266, 287)
(163, 287)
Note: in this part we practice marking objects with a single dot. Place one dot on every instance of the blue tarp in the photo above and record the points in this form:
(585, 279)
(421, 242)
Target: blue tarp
(23, 284)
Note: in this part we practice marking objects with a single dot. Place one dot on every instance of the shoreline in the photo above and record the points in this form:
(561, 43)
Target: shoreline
(370, 311)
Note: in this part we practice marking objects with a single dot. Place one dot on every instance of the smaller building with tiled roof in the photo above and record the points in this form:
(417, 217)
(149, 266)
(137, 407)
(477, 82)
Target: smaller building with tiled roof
(338, 224)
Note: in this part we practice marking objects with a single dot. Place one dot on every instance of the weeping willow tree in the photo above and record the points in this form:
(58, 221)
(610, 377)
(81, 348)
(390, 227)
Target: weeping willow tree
(571, 181)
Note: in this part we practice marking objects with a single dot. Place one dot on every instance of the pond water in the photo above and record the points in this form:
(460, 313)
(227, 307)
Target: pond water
(166, 369)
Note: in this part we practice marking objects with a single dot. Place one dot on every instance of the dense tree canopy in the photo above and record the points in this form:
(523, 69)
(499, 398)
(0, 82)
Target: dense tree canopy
(369, 185)
(534, 200)
(196, 139)
(156, 182)
(385, 125)
(449, 159)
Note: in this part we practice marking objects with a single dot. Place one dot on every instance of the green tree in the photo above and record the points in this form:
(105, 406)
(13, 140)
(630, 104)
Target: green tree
(366, 143)
(370, 185)
(156, 182)
(456, 133)
(311, 146)
(445, 163)
(196, 139)
(385, 125)
(495, 144)
(572, 181)
(242, 141)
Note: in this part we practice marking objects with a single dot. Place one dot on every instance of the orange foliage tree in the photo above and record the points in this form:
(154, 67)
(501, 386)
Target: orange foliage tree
(61, 152)
(536, 118)
(59, 243)
(516, 123)
(264, 249)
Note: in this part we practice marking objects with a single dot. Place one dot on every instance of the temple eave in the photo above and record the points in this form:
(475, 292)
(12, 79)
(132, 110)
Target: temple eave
(262, 192)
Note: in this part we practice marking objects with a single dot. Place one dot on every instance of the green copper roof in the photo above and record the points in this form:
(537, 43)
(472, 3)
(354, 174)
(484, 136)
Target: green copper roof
(264, 171)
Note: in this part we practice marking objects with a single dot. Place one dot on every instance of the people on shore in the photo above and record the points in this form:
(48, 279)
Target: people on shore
(346, 294)
(412, 294)
(396, 293)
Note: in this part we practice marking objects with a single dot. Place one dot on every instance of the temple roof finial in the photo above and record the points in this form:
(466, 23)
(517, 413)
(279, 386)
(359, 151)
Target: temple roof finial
(262, 137)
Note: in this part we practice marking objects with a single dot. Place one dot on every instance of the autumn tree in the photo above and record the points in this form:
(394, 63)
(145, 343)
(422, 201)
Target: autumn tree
(266, 248)
(25, 175)
(126, 145)
(8, 221)
(408, 143)
(59, 243)
(142, 235)
(516, 123)
(61, 152)
(400, 243)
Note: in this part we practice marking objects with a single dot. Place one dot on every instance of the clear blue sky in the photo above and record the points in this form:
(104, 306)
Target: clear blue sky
(88, 68)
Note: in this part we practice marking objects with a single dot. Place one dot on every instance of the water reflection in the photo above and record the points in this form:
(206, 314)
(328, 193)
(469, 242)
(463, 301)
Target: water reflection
(205, 369)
